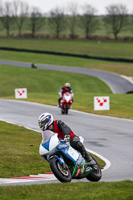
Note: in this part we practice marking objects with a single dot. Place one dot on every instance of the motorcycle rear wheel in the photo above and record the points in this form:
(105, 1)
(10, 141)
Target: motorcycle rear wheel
(96, 174)
(63, 175)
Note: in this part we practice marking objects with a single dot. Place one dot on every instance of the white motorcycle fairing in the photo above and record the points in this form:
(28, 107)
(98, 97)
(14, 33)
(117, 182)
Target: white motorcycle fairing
(49, 142)
(67, 97)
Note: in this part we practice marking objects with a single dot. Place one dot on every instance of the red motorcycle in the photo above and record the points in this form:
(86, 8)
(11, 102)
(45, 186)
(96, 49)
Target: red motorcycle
(66, 102)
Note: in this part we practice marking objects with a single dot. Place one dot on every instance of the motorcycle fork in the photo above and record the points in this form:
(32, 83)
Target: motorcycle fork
(61, 161)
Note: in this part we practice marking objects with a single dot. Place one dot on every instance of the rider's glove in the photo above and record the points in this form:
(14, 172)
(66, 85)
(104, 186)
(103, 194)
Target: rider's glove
(65, 139)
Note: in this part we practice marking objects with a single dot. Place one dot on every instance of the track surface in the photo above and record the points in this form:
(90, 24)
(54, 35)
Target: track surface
(116, 83)
(110, 137)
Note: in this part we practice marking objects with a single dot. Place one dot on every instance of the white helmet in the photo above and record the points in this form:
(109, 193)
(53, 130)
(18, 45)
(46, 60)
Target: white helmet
(67, 85)
(45, 120)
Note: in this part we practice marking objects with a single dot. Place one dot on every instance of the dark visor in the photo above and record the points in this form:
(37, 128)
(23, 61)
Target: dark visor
(41, 124)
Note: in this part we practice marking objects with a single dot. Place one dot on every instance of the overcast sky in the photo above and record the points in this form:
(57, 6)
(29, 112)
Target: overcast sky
(46, 5)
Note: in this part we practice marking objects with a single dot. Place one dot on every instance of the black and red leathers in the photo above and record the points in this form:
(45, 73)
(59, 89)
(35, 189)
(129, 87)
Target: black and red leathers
(63, 130)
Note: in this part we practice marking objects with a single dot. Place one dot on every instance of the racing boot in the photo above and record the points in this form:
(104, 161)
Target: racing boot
(90, 161)
(85, 154)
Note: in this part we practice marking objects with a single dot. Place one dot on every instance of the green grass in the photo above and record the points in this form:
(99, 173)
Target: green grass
(45, 81)
(43, 87)
(72, 191)
(19, 152)
(92, 48)
(104, 49)
(120, 68)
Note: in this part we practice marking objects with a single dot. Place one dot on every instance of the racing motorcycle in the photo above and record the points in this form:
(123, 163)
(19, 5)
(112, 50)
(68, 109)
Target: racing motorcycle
(66, 102)
(65, 162)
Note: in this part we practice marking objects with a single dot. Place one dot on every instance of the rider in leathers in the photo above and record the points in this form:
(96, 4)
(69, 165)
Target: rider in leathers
(63, 90)
(46, 122)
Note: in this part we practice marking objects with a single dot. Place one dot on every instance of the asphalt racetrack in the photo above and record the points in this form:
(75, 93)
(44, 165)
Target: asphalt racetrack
(108, 136)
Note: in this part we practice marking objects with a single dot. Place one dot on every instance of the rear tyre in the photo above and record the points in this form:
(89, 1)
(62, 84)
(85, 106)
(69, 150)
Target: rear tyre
(63, 175)
(96, 174)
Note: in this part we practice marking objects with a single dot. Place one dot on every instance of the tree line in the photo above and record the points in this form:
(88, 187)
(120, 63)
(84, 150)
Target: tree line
(18, 13)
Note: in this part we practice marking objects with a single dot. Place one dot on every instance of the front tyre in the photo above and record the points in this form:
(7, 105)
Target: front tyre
(66, 110)
(62, 111)
(63, 175)
(96, 174)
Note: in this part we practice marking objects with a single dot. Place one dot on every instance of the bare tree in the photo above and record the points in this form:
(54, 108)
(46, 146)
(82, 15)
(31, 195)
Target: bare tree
(7, 17)
(89, 21)
(72, 19)
(36, 21)
(20, 13)
(116, 18)
(57, 21)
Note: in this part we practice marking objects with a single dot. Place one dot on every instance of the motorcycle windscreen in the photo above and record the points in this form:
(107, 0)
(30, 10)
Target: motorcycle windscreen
(49, 142)
(46, 135)
(67, 97)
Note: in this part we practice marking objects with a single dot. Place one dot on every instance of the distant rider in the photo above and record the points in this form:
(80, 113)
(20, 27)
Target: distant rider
(46, 122)
(63, 90)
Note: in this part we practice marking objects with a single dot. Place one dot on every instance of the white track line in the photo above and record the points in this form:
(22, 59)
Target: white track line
(130, 79)
(108, 163)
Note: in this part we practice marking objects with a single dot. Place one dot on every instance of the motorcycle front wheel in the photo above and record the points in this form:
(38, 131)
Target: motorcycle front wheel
(61, 173)
(62, 111)
(66, 110)
(96, 174)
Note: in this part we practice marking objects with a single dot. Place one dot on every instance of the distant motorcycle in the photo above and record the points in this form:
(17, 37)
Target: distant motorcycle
(66, 102)
(65, 162)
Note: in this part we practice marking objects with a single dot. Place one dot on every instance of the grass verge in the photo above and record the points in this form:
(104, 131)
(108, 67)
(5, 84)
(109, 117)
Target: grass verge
(114, 49)
(19, 152)
(72, 191)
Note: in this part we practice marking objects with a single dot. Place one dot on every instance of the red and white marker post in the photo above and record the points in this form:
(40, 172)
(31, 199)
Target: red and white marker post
(101, 103)
(21, 93)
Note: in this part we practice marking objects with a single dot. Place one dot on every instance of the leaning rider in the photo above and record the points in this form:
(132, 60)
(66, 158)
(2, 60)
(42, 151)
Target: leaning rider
(63, 90)
(46, 122)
